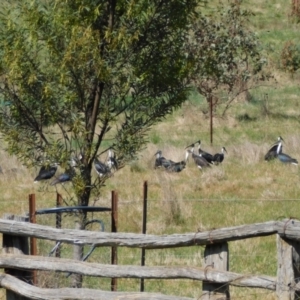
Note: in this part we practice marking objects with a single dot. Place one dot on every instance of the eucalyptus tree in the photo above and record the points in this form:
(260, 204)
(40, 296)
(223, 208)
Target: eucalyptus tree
(80, 77)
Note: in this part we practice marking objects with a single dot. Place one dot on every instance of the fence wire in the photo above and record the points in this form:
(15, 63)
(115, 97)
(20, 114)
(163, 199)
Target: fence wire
(253, 256)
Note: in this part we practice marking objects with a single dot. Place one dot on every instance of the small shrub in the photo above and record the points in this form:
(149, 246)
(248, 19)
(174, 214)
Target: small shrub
(296, 10)
(290, 57)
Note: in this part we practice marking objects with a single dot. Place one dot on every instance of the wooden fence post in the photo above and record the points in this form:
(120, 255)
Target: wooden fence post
(288, 269)
(78, 254)
(216, 257)
(16, 245)
(296, 264)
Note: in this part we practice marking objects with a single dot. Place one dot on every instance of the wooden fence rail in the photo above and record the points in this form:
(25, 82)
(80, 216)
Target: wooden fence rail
(122, 271)
(285, 284)
(32, 292)
(288, 228)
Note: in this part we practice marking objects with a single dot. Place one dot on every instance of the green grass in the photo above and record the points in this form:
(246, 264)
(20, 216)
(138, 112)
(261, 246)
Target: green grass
(244, 190)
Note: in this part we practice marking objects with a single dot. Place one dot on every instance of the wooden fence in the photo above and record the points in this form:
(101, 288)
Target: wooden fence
(216, 279)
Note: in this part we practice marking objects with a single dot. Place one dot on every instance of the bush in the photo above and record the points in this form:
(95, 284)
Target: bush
(290, 57)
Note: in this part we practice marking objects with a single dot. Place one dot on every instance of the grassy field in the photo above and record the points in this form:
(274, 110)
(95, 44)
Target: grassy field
(243, 190)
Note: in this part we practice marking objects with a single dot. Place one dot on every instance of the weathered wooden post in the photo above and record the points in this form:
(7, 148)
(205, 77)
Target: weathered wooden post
(288, 268)
(78, 253)
(216, 257)
(296, 264)
(16, 245)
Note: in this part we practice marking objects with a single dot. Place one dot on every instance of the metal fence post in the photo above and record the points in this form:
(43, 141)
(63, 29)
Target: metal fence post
(33, 247)
(58, 220)
(114, 228)
(144, 229)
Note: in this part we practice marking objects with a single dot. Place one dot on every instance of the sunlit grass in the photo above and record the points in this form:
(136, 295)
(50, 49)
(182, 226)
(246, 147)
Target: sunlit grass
(243, 190)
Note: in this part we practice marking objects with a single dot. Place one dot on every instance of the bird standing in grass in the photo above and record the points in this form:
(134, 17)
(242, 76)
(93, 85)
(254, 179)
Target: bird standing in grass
(65, 177)
(46, 172)
(284, 158)
(219, 157)
(272, 152)
(101, 168)
(111, 160)
(178, 166)
(104, 169)
(200, 161)
(161, 161)
(204, 154)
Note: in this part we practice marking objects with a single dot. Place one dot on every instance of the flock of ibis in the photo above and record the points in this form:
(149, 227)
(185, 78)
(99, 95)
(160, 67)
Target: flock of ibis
(102, 169)
(201, 158)
(204, 159)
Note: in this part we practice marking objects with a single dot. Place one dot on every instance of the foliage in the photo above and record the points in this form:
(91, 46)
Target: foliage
(251, 190)
(290, 57)
(226, 54)
(295, 13)
(80, 76)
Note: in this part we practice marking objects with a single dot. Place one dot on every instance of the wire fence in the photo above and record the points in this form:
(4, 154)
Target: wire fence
(155, 201)
(255, 260)
(256, 256)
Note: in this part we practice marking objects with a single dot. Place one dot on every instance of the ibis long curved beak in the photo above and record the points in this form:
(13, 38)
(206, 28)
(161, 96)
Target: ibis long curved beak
(193, 144)
(189, 146)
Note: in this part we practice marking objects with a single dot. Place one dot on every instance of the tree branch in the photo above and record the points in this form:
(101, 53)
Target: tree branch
(27, 115)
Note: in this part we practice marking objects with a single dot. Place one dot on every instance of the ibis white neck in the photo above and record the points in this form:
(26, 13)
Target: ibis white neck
(279, 147)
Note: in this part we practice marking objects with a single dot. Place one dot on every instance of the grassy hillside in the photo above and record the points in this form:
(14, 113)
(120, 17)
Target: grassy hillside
(243, 190)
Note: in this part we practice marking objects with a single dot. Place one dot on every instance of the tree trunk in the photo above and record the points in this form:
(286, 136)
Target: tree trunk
(77, 279)
(83, 200)
(243, 94)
